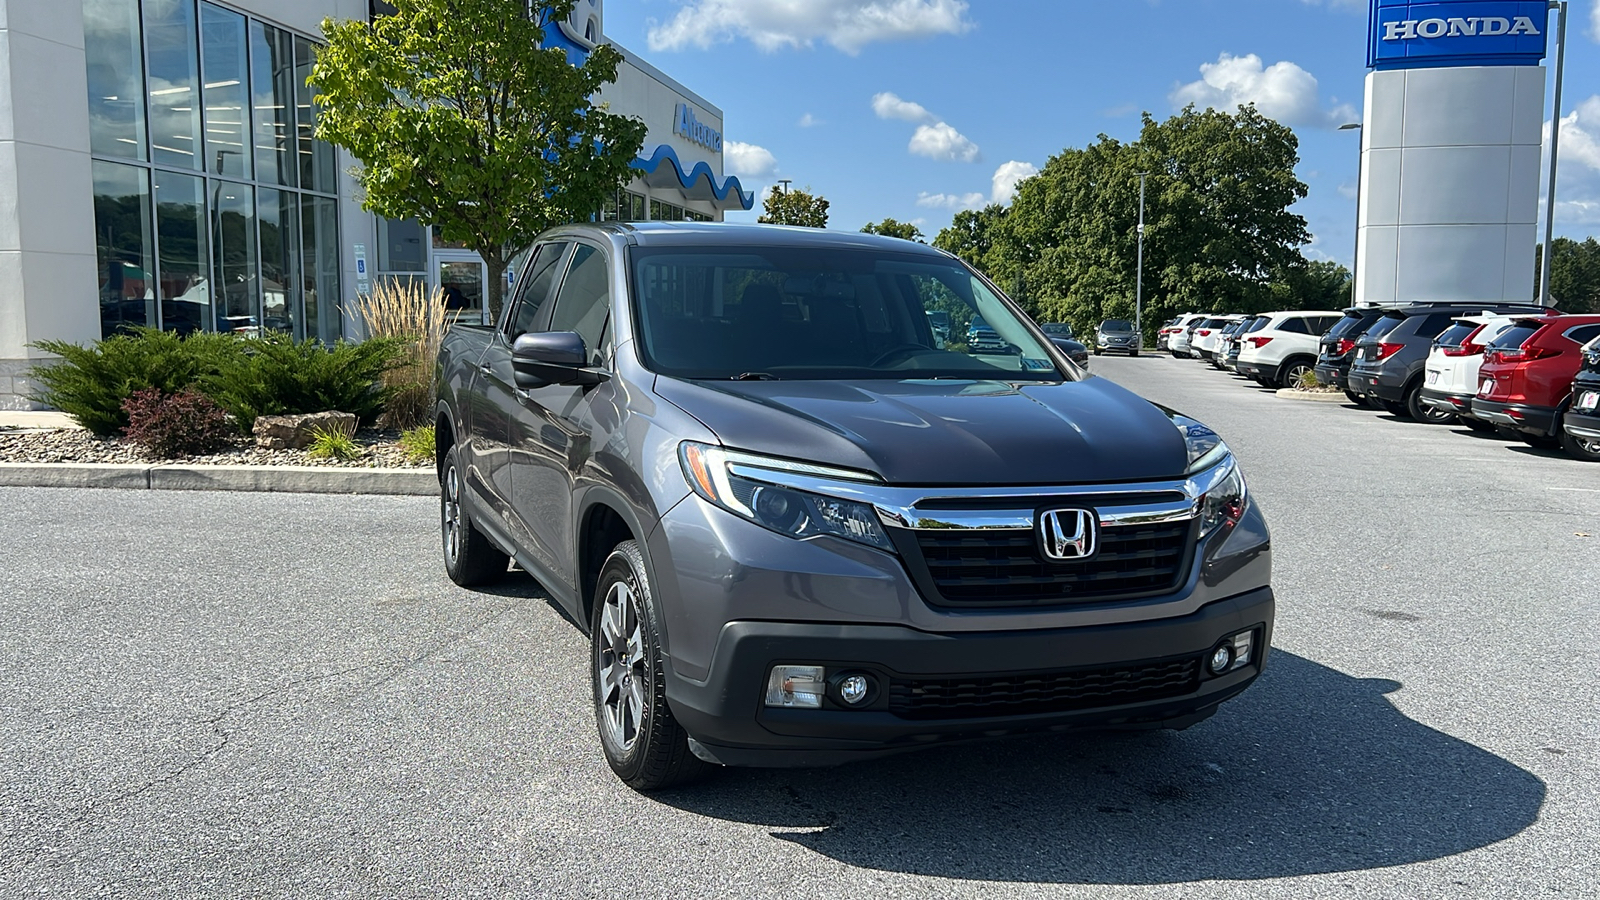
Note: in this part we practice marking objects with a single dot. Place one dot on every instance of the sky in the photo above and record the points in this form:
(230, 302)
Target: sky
(915, 109)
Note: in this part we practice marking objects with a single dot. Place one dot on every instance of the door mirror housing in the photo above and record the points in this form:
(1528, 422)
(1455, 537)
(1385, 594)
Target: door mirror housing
(552, 357)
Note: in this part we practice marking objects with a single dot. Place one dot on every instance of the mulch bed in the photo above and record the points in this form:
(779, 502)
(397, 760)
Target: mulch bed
(379, 450)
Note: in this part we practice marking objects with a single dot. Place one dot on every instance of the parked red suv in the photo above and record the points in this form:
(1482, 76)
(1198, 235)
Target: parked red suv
(1525, 382)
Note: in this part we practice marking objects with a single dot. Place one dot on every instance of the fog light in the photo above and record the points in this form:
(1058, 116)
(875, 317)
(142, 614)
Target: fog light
(796, 686)
(854, 689)
(1221, 658)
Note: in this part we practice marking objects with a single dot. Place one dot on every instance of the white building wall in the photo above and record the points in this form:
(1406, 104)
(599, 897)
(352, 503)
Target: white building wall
(1450, 184)
(48, 285)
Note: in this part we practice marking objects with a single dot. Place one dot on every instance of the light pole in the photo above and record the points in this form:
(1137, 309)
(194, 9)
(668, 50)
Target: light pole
(1138, 278)
(1555, 139)
(1361, 158)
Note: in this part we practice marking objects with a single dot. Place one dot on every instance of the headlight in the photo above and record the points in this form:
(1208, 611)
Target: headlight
(798, 514)
(1204, 445)
(1223, 505)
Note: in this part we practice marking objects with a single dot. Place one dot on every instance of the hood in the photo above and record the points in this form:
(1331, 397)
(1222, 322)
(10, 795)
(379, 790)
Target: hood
(978, 433)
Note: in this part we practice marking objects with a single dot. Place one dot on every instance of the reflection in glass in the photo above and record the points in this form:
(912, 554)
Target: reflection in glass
(316, 157)
(171, 38)
(462, 284)
(116, 77)
(184, 288)
(227, 130)
(280, 259)
(400, 246)
(122, 246)
(233, 251)
(272, 96)
(320, 217)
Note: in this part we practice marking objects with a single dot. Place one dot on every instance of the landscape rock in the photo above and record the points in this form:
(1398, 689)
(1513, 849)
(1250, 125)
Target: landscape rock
(296, 432)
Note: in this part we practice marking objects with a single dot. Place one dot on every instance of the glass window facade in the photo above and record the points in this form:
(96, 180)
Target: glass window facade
(216, 208)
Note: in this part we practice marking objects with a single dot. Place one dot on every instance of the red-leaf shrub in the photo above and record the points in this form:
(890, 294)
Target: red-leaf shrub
(168, 426)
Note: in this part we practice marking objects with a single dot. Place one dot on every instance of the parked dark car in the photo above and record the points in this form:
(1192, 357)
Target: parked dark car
(1338, 347)
(799, 532)
(1390, 357)
(1236, 341)
(983, 339)
(1075, 351)
(1116, 335)
(1581, 424)
(1525, 382)
(1056, 329)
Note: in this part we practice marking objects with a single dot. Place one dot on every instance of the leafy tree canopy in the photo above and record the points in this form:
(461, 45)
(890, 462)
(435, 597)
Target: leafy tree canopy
(795, 207)
(1219, 234)
(1574, 275)
(463, 120)
(892, 228)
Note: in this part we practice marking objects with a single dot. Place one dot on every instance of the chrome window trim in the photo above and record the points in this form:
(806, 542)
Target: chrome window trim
(898, 506)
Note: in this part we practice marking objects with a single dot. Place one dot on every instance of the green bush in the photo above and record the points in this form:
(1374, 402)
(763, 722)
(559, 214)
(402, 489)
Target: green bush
(332, 443)
(91, 383)
(276, 376)
(419, 444)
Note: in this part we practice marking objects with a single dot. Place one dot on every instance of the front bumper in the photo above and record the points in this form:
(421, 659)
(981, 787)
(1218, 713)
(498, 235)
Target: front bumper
(1519, 416)
(731, 725)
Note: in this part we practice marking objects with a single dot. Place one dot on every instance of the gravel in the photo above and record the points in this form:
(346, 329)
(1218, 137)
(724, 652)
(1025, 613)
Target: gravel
(379, 449)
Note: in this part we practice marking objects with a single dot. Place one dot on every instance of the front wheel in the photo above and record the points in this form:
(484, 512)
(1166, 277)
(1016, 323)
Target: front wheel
(1586, 449)
(469, 559)
(644, 745)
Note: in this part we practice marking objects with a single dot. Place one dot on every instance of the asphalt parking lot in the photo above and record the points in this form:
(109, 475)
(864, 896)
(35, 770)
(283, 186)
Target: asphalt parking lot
(220, 695)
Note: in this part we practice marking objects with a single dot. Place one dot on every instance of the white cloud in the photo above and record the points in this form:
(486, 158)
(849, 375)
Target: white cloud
(1282, 91)
(809, 121)
(1004, 184)
(1594, 21)
(1349, 190)
(748, 160)
(1580, 135)
(847, 25)
(940, 141)
(950, 201)
(1578, 193)
(889, 106)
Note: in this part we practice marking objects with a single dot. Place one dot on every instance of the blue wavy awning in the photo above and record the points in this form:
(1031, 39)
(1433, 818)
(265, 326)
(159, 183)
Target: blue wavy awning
(664, 170)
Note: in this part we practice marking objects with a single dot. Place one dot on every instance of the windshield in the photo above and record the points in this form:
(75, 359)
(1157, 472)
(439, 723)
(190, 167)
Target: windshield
(824, 314)
(1116, 325)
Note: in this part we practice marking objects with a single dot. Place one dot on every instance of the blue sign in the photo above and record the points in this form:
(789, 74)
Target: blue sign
(1414, 34)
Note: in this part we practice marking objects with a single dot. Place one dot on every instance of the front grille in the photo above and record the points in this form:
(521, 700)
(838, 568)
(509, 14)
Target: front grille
(1043, 692)
(1005, 567)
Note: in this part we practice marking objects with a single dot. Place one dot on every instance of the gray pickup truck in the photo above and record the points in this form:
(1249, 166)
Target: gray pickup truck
(803, 528)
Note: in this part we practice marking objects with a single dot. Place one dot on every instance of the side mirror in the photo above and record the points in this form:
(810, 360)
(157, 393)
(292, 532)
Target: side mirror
(551, 357)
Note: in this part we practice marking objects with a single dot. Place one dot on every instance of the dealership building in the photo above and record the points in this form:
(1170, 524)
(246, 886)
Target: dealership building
(158, 168)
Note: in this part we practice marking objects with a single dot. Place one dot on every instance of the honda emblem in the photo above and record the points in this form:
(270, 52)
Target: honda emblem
(1068, 535)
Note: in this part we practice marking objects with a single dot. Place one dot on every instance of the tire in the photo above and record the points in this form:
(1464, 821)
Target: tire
(1393, 408)
(644, 745)
(469, 559)
(1478, 425)
(1097, 351)
(1357, 399)
(1541, 441)
(1289, 373)
(1133, 353)
(1586, 449)
(1422, 412)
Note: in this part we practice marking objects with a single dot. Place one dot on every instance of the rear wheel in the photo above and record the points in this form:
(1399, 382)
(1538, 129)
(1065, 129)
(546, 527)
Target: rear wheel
(1424, 412)
(1478, 425)
(469, 559)
(1542, 441)
(1290, 373)
(1586, 449)
(1356, 398)
(1394, 408)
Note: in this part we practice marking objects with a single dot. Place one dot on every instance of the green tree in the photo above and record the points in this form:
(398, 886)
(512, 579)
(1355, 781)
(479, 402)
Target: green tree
(795, 207)
(893, 228)
(1574, 275)
(1219, 233)
(1319, 284)
(463, 120)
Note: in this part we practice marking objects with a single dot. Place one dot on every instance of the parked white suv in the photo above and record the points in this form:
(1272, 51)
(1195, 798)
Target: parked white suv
(1209, 332)
(1178, 341)
(1277, 353)
(1452, 367)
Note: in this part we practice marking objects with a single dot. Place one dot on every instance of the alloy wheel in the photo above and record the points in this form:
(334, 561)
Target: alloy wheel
(450, 515)
(621, 666)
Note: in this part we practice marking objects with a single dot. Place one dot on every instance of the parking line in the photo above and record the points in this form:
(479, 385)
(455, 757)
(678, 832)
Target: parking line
(1579, 490)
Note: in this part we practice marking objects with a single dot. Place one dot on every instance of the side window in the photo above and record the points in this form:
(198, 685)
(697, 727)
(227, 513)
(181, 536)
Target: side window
(1583, 334)
(584, 301)
(535, 289)
(1293, 325)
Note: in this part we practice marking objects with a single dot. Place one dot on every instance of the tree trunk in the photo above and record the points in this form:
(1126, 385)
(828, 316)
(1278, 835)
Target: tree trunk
(495, 290)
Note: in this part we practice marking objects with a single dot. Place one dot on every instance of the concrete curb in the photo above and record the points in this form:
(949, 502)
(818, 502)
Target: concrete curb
(1312, 396)
(422, 482)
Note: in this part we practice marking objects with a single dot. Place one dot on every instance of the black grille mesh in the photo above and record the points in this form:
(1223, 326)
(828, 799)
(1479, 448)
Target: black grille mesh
(1043, 692)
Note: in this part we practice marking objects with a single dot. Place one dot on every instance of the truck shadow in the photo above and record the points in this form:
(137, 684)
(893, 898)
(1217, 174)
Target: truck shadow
(1311, 771)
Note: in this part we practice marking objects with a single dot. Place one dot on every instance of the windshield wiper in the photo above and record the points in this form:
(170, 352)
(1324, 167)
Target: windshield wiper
(756, 376)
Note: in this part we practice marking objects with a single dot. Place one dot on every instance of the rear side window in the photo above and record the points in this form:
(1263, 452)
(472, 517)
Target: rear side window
(1345, 326)
(1431, 325)
(1294, 325)
(1515, 336)
(1455, 334)
(1583, 334)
